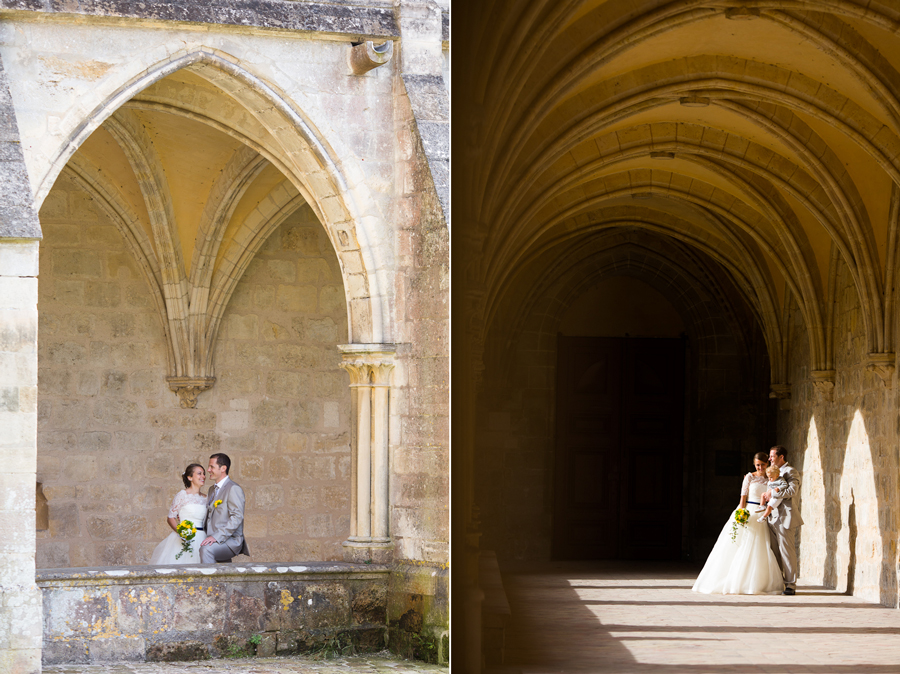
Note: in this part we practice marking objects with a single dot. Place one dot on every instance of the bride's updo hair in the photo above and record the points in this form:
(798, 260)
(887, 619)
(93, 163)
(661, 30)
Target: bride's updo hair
(188, 472)
(761, 456)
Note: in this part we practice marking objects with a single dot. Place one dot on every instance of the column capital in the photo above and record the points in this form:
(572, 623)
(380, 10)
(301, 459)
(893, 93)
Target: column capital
(368, 364)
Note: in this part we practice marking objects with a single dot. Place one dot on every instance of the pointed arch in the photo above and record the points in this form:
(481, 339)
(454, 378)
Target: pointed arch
(331, 185)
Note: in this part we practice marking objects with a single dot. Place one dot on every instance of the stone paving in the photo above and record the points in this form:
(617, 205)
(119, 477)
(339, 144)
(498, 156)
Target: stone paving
(370, 664)
(640, 617)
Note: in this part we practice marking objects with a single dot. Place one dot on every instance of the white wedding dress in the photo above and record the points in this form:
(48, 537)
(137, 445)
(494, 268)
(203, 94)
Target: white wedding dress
(185, 507)
(747, 565)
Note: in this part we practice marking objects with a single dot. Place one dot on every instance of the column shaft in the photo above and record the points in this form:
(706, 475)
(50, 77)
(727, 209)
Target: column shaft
(364, 464)
(370, 367)
(380, 464)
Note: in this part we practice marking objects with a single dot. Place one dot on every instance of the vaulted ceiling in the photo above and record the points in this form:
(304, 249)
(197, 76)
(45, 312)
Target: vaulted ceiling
(765, 134)
(195, 184)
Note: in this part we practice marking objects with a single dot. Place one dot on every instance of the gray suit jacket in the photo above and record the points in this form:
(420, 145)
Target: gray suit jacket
(225, 522)
(790, 516)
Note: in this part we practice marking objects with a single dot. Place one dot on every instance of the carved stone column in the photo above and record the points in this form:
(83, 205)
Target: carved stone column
(370, 367)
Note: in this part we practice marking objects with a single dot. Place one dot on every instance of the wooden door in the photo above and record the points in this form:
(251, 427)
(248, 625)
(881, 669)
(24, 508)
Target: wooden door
(618, 468)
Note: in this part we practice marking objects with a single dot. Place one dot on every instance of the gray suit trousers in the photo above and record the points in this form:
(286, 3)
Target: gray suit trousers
(215, 552)
(785, 549)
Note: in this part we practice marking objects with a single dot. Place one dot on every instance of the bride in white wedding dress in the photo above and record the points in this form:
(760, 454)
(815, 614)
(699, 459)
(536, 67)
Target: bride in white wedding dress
(746, 565)
(188, 504)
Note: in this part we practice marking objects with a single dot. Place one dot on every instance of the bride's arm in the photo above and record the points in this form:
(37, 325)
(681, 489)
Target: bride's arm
(745, 491)
(177, 502)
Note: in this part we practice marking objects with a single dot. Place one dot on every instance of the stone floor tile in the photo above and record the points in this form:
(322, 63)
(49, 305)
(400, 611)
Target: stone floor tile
(622, 618)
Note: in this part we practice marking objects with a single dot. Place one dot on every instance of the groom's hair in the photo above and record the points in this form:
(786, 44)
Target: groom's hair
(222, 460)
(780, 451)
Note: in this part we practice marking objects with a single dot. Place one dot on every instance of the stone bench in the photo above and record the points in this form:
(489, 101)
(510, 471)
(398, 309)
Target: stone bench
(139, 613)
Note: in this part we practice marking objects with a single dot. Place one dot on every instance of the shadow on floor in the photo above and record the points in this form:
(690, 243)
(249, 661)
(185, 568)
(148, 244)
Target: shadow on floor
(642, 617)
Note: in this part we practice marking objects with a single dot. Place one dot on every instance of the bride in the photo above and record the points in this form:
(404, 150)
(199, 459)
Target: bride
(746, 565)
(188, 504)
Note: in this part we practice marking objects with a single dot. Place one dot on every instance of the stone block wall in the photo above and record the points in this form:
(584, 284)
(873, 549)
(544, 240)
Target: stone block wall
(140, 613)
(420, 462)
(20, 600)
(847, 452)
(516, 434)
(112, 439)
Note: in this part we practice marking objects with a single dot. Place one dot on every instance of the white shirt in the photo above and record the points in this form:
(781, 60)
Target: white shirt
(219, 485)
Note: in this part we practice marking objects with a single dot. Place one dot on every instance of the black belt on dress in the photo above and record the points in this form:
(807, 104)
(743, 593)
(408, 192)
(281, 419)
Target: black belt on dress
(753, 502)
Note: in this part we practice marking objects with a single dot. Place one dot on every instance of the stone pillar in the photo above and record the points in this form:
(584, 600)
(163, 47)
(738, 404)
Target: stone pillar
(20, 598)
(370, 367)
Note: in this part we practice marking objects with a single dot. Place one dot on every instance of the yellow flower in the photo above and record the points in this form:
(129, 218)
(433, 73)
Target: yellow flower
(217, 503)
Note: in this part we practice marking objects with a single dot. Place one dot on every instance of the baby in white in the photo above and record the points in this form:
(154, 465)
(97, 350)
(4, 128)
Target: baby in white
(776, 486)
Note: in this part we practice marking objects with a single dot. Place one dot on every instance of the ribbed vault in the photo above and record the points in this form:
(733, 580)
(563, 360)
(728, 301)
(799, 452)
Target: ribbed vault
(752, 144)
(764, 133)
(195, 183)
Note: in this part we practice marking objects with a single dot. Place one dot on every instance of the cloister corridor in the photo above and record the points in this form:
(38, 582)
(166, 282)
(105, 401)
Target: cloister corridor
(642, 617)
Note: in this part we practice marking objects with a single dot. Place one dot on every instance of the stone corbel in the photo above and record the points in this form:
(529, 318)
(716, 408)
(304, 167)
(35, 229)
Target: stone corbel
(823, 381)
(780, 391)
(366, 56)
(883, 364)
(188, 388)
(370, 367)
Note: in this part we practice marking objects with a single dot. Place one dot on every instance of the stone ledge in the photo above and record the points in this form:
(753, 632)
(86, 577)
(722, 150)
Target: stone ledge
(162, 573)
(339, 18)
(159, 613)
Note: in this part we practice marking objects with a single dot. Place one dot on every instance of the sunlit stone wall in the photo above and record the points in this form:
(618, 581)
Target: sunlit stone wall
(112, 438)
(848, 451)
(20, 599)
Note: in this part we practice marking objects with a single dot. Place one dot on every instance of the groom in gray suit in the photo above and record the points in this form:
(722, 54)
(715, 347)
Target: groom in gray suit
(224, 515)
(783, 531)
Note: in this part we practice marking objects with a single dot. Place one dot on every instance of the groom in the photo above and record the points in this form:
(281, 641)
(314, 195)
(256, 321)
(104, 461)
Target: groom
(224, 515)
(783, 530)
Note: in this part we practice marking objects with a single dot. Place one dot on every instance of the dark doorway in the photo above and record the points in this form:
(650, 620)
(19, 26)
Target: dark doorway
(619, 448)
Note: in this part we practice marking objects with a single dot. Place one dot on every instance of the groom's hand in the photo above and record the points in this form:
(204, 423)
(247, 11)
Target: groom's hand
(209, 540)
(765, 497)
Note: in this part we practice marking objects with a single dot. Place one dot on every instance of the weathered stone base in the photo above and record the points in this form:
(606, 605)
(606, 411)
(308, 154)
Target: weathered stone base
(169, 613)
(419, 611)
(356, 552)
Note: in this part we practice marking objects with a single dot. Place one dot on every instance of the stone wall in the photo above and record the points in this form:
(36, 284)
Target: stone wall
(20, 600)
(112, 439)
(848, 453)
(420, 497)
(140, 613)
(418, 602)
(726, 397)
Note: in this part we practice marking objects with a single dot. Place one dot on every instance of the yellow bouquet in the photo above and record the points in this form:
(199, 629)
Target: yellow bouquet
(741, 517)
(187, 531)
